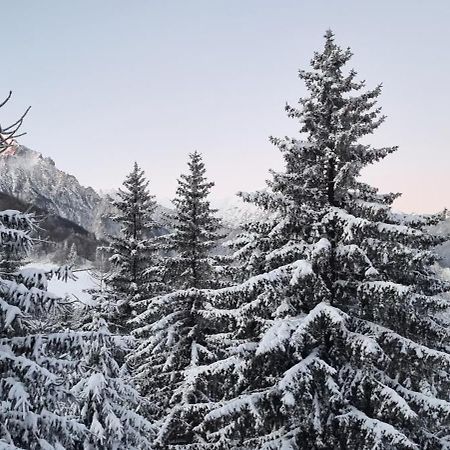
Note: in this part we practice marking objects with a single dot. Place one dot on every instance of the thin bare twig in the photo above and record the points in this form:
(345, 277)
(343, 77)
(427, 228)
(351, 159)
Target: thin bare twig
(6, 100)
(10, 133)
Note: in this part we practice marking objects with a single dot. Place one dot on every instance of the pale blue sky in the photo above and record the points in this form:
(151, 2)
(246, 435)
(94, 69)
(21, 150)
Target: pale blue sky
(111, 82)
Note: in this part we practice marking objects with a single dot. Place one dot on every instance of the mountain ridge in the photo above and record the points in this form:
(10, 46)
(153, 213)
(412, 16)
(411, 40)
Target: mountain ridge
(33, 178)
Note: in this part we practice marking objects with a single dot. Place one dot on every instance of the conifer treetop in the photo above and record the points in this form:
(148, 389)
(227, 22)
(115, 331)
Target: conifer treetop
(195, 227)
(334, 116)
(135, 204)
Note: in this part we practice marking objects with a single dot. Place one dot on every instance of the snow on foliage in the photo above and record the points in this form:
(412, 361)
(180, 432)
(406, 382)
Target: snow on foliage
(35, 407)
(133, 254)
(336, 307)
(174, 344)
(108, 402)
(329, 330)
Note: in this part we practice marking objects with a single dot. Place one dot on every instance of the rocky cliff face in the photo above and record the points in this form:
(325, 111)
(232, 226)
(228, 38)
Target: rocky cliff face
(33, 178)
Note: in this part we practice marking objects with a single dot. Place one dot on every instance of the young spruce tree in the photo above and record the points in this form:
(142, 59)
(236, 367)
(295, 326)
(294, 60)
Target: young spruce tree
(134, 275)
(336, 339)
(195, 232)
(174, 340)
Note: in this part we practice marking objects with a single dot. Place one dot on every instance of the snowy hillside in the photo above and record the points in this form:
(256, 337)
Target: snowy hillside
(74, 289)
(234, 212)
(444, 250)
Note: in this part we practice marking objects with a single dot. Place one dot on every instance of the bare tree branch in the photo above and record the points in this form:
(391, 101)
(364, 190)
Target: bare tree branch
(10, 133)
(6, 100)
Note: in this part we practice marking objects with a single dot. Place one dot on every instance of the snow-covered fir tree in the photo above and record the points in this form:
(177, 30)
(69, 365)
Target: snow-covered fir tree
(34, 412)
(35, 405)
(11, 259)
(195, 231)
(175, 341)
(335, 339)
(73, 258)
(109, 405)
(135, 273)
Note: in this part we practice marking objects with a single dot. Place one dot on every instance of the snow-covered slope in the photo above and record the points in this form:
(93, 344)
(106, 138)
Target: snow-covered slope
(74, 289)
(444, 250)
(234, 212)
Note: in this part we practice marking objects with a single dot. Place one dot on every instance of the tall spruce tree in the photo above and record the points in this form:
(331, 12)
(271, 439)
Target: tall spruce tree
(335, 340)
(134, 275)
(195, 231)
(175, 343)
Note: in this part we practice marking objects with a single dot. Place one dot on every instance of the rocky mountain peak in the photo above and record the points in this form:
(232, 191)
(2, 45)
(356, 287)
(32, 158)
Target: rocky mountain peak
(34, 178)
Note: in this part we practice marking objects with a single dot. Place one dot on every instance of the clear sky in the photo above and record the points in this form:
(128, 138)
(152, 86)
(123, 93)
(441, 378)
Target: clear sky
(111, 82)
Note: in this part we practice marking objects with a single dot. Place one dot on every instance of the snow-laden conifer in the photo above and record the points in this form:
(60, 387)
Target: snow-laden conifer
(133, 254)
(34, 401)
(35, 404)
(11, 259)
(195, 231)
(73, 258)
(175, 341)
(335, 339)
(108, 404)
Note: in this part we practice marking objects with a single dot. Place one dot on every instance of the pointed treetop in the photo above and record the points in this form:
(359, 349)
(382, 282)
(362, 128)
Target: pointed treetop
(195, 178)
(332, 58)
(195, 227)
(195, 160)
(136, 171)
(329, 35)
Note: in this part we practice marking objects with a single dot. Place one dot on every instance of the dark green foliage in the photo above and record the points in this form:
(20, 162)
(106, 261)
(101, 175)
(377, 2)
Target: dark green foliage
(135, 275)
(175, 341)
(337, 340)
(195, 231)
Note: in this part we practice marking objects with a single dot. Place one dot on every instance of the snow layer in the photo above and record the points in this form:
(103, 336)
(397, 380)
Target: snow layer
(75, 289)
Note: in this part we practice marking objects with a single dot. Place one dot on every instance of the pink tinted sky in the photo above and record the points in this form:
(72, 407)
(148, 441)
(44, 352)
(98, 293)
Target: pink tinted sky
(111, 82)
